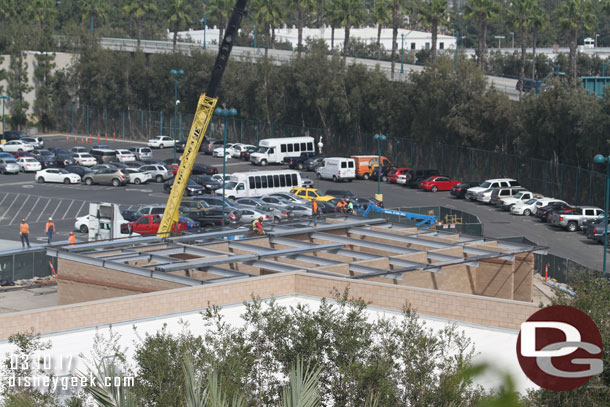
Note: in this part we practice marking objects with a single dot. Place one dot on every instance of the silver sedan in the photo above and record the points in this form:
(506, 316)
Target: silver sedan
(276, 213)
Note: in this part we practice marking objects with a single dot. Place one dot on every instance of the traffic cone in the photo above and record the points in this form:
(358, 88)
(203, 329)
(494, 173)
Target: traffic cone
(81, 141)
(113, 136)
(67, 139)
(98, 138)
(75, 140)
(106, 137)
(89, 138)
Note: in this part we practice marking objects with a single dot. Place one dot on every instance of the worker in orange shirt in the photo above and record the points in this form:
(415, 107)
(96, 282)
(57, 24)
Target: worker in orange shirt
(24, 232)
(340, 206)
(50, 229)
(314, 212)
(71, 239)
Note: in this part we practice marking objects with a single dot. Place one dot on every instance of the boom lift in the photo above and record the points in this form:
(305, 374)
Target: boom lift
(203, 115)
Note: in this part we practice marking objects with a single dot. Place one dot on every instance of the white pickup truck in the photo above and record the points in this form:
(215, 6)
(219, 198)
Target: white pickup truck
(522, 196)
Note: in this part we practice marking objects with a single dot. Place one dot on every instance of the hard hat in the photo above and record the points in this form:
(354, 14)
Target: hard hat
(23, 220)
(50, 218)
(71, 233)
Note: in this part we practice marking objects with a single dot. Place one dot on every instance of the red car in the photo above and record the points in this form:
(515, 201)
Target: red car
(149, 225)
(393, 175)
(19, 154)
(438, 183)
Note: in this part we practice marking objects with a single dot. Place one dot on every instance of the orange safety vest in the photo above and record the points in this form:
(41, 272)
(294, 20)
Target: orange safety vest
(24, 228)
(49, 224)
(71, 240)
(314, 206)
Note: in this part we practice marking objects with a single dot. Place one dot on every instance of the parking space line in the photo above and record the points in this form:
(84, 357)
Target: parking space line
(79, 209)
(58, 205)
(3, 199)
(19, 210)
(32, 210)
(9, 207)
(69, 206)
(43, 209)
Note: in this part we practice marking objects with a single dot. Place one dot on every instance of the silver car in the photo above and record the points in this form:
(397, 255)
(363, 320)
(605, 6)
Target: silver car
(250, 214)
(299, 210)
(9, 166)
(136, 176)
(276, 213)
(142, 153)
(290, 198)
(157, 172)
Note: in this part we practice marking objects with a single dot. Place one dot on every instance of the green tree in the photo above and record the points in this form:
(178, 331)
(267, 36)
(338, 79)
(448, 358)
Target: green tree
(520, 14)
(269, 15)
(382, 16)
(178, 15)
(138, 9)
(221, 10)
(303, 8)
(575, 15)
(44, 79)
(353, 15)
(334, 16)
(433, 14)
(482, 12)
(42, 12)
(93, 11)
(539, 21)
(17, 87)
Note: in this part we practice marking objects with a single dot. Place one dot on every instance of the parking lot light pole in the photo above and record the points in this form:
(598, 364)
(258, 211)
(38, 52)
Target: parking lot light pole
(224, 113)
(379, 138)
(175, 74)
(3, 97)
(600, 159)
(402, 54)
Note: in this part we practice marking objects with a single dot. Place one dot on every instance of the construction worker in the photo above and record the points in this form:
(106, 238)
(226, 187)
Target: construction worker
(314, 212)
(350, 207)
(49, 229)
(24, 232)
(71, 239)
(257, 226)
(340, 206)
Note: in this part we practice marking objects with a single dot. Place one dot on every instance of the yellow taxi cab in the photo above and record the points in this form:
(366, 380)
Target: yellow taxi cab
(310, 194)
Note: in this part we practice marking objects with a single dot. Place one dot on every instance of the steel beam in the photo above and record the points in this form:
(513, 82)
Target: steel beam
(197, 263)
(362, 243)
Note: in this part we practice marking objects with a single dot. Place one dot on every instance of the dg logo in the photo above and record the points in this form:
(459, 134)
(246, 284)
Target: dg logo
(560, 348)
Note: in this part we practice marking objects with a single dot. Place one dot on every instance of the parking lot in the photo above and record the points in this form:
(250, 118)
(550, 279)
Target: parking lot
(21, 197)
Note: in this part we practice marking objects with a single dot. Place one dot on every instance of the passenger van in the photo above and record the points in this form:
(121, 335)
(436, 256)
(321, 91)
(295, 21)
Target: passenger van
(274, 150)
(103, 155)
(337, 169)
(364, 162)
(258, 183)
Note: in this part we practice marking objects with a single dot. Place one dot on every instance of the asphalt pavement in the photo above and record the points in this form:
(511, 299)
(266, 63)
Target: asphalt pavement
(21, 197)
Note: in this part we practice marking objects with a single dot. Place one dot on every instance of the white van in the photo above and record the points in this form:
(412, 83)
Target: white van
(274, 150)
(259, 183)
(337, 169)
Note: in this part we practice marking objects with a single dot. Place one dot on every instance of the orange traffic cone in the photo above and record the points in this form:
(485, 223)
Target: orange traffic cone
(105, 137)
(75, 140)
(89, 138)
(67, 139)
(113, 136)
(98, 138)
(81, 141)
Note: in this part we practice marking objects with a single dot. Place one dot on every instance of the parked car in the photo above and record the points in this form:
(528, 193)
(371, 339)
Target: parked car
(136, 176)
(484, 196)
(306, 181)
(100, 147)
(28, 164)
(589, 224)
(16, 145)
(520, 196)
(78, 169)
(160, 142)
(288, 197)
(239, 148)
(192, 188)
(157, 172)
(438, 183)
(11, 135)
(124, 156)
(85, 159)
(8, 166)
(203, 169)
(111, 176)
(209, 183)
(131, 215)
(312, 164)
(21, 154)
(210, 145)
(213, 217)
(545, 213)
(37, 142)
(227, 151)
(149, 225)
(299, 210)
(245, 153)
(365, 202)
(310, 194)
(339, 193)
(77, 149)
(498, 194)
(45, 157)
(528, 207)
(103, 155)
(272, 212)
(385, 172)
(299, 162)
(395, 173)
(459, 191)
(412, 176)
(472, 192)
(572, 220)
(249, 214)
(63, 160)
(141, 153)
(57, 175)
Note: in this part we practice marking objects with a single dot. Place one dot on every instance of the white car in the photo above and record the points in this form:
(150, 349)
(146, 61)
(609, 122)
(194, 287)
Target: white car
(29, 164)
(82, 224)
(85, 159)
(160, 142)
(218, 177)
(238, 148)
(484, 196)
(37, 142)
(14, 146)
(125, 156)
(57, 175)
(136, 176)
(219, 151)
(528, 207)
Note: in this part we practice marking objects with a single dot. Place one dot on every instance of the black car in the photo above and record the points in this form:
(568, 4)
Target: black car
(326, 207)
(415, 175)
(192, 188)
(459, 190)
(11, 135)
(245, 155)
(46, 158)
(312, 164)
(63, 160)
(385, 170)
(151, 162)
(204, 169)
(339, 193)
(209, 183)
(545, 213)
(132, 215)
(78, 169)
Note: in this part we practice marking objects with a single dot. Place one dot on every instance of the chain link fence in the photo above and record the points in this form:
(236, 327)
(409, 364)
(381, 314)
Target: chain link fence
(575, 185)
(20, 264)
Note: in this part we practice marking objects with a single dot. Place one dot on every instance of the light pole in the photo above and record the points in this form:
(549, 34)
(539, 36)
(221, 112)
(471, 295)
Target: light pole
(499, 38)
(513, 34)
(3, 97)
(224, 113)
(402, 54)
(175, 74)
(205, 24)
(600, 159)
(379, 138)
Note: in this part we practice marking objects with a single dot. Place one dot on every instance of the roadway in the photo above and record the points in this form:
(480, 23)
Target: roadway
(21, 197)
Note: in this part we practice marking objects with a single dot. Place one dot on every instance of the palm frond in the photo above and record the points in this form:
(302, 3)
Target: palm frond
(106, 395)
(302, 389)
(195, 394)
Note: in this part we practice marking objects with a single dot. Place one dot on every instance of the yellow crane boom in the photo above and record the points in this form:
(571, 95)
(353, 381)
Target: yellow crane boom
(203, 115)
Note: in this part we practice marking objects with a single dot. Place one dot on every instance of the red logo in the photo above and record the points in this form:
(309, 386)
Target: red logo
(560, 348)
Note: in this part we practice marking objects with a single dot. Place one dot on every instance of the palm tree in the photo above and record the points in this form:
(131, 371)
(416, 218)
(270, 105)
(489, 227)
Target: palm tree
(138, 9)
(574, 15)
(303, 8)
(397, 9)
(381, 13)
(302, 388)
(221, 9)
(334, 16)
(539, 20)
(353, 15)
(520, 14)
(433, 13)
(42, 12)
(94, 11)
(482, 11)
(178, 15)
(269, 14)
